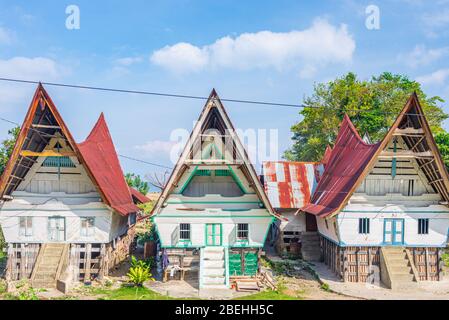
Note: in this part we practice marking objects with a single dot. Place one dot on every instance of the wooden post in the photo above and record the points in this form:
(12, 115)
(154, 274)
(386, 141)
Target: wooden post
(87, 258)
(101, 271)
(22, 274)
(427, 264)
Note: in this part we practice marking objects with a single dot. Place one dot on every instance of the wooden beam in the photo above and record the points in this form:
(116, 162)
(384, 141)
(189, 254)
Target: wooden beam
(408, 132)
(405, 154)
(417, 143)
(47, 153)
(45, 126)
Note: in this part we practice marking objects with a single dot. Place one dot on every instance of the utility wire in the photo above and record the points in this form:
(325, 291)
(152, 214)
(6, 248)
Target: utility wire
(120, 155)
(183, 96)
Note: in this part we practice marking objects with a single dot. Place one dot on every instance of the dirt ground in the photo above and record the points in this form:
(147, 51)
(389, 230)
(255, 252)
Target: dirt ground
(309, 288)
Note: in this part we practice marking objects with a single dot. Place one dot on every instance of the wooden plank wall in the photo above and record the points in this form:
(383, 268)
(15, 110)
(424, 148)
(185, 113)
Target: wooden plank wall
(428, 262)
(352, 264)
(21, 260)
(358, 263)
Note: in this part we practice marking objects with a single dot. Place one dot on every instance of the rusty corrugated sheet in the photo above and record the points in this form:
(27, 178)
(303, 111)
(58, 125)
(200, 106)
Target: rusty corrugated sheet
(289, 185)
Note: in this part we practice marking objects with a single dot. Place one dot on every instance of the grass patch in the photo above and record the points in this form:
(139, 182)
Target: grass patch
(445, 258)
(127, 293)
(273, 295)
(325, 287)
(281, 293)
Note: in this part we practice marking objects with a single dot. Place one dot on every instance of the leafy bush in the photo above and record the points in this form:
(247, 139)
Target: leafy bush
(138, 275)
(29, 294)
(139, 272)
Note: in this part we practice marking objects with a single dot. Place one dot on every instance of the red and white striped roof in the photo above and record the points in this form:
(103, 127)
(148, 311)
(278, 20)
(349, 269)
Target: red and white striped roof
(290, 185)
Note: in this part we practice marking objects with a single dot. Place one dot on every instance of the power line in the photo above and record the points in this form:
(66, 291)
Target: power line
(184, 96)
(120, 155)
(161, 94)
(146, 162)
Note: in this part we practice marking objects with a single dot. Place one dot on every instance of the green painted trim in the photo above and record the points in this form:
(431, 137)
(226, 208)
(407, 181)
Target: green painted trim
(237, 180)
(214, 234)
(188, 180)
(206, 216)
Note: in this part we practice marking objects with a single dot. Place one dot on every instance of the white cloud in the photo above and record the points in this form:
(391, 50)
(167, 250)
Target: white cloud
(6, 36)
(438, 77)
(181, 57)
(422, 56)
(156, 147)
(319, 45)
(38, 68)
(436, 19)
(128, 61)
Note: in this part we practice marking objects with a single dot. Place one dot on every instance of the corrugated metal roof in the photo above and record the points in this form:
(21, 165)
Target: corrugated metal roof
(347, 161)
(289, 185)
(101, 158)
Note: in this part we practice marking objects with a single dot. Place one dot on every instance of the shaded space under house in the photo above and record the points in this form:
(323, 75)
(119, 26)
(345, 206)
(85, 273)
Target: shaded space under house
(213, 216)
(382, 209)
(289, 186)
(66, 211)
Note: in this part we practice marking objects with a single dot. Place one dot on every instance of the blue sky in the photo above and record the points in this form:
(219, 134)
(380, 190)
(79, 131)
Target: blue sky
(260, 50)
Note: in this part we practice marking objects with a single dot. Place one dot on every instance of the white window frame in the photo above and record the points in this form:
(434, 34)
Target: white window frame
(88, 230)
(239, 238)
(27, 229)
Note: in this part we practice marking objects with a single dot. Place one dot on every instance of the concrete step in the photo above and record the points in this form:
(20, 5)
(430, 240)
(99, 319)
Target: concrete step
(47, 268)
(213, 271)
(310, 236)
(213, 249)
(213, 264)
(396, 257)
(211, 280)
(213, 256)
(50, 260)
(402, 277)
(400, 269)
(44, 284)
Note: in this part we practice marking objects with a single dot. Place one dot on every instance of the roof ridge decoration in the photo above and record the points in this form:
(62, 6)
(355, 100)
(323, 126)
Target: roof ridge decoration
(346, 170)
(214, 104)
(37, 126)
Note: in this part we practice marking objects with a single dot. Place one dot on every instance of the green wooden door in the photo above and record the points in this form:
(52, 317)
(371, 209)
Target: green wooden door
(235, 264)
(214, 234)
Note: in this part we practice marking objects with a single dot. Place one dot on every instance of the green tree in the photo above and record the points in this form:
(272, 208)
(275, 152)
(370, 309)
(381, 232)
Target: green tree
(7, 146)
(442, 140)
(136, 182)
(384, 95)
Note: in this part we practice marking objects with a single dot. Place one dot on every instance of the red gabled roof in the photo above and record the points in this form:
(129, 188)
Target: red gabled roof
(140, 198)
(347, 161)
(327, 155)
(102, 161)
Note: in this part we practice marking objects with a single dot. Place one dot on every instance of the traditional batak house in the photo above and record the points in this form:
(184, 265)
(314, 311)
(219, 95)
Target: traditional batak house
(66, 211)
(213, 211)
(289, 187)
(382, 209)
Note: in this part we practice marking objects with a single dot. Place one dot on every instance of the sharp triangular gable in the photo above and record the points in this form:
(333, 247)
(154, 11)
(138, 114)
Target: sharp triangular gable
(214, 139)
(41, 123)
(43, 131)
(412, 126)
